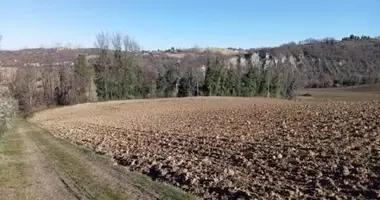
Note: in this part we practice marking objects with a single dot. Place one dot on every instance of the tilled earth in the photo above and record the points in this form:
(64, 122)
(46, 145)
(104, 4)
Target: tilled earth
(231, 148)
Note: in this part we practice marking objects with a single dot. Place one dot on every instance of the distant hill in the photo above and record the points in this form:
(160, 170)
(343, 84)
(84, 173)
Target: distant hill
(55, 56)
(322, 63)
(41, 56)
(328, 62)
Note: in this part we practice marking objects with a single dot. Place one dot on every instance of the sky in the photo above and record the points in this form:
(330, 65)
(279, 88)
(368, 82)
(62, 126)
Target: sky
(161, 24)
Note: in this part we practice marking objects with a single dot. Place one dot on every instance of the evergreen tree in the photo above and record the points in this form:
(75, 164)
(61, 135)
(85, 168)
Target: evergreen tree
(101, 74)
(262, 82)
(229, 83)
(249, 83)
(213, 78)
(217, 76)
(238, 78)
(82, 75)
(274, 87)
(184, 87)
(172, 78)
(187, 85)
(131, 77)
(161, 85)
(208, 79)
(140, 89)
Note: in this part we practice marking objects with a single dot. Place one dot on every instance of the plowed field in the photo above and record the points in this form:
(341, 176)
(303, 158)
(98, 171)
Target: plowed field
(229, 148)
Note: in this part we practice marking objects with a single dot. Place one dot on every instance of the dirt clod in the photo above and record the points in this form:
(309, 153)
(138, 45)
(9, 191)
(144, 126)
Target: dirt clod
(236, 147)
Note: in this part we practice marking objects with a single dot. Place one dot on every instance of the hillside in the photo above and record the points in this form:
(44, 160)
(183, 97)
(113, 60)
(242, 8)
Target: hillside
(331, 63)
(324, 63)
(41, 56)
(63, 77)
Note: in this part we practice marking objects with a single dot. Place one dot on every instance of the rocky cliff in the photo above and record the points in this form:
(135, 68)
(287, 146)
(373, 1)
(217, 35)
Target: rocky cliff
(325, 63)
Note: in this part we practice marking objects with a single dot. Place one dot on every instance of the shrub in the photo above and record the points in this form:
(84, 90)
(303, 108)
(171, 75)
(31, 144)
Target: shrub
(8, 107)
(306, 95)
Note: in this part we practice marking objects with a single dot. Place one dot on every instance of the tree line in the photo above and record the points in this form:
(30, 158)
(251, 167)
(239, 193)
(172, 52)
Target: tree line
(48, 86)
(118, 75)
(118, 72)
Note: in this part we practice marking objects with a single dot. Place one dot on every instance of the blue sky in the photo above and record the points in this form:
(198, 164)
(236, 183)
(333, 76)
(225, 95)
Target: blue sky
(166, 23)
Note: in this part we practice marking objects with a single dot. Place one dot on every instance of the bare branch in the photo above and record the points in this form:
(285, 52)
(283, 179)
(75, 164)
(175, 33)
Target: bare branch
(102, 41)
(130, 44)
(116, 42)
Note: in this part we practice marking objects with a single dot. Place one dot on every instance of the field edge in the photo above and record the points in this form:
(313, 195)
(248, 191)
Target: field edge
(138, 180)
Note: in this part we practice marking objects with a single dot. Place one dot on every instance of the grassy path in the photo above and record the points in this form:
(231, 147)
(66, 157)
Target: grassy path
(12, 166)
(36, 165)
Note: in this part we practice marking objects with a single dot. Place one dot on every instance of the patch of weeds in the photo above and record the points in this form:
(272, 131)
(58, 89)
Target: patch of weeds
(163, 189)
(80, 174)
(95, 189)
(306, 95)
(11, 144)
(12, 169)
(11, 174)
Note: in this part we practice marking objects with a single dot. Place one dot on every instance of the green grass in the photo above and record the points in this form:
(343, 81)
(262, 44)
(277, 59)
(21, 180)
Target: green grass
(142, 181)
(12, 168)
(72, 167)
(11, 143)
(10, 173)
(168, 191)
(93, 188)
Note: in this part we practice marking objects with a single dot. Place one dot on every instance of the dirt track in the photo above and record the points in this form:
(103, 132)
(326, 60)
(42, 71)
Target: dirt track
(236, 147)
(35, 165)
(45, 183)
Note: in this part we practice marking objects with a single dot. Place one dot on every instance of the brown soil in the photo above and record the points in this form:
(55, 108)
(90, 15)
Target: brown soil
(228, 148)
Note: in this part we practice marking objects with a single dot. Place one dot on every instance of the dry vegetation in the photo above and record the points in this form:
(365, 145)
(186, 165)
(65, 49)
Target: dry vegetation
(236, 147)
(353, 93)
(8, 107)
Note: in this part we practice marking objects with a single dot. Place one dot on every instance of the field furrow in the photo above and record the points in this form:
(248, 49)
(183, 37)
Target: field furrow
(236, 147)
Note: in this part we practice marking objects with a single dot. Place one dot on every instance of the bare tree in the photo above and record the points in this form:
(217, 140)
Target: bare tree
(102, 41)
(289, 80)
(24, 88)
(65, 93)
(116, 42)
(130, 44)
(49, 80)
(192, 65)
